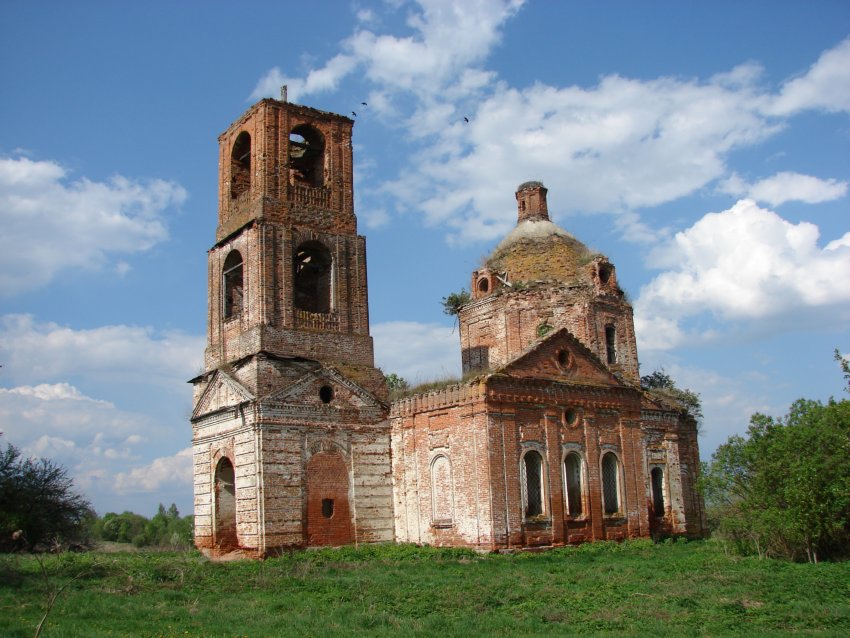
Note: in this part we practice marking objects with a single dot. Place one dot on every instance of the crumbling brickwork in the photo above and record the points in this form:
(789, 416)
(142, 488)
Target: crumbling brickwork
(290, 396)
(551, 441)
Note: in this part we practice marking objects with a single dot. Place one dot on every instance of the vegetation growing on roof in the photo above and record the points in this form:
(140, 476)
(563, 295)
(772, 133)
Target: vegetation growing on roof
(453, 302)
(661, 386)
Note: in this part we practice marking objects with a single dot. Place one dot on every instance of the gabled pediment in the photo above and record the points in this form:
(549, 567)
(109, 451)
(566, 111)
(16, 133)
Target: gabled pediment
(561, 357)
(325, 387)
(222, 391)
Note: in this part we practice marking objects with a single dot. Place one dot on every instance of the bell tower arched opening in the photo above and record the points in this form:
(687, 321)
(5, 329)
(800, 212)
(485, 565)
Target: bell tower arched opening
(240, 165)
(307, 156)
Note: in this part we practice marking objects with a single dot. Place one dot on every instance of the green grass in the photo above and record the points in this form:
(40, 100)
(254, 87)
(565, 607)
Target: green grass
(634, 588)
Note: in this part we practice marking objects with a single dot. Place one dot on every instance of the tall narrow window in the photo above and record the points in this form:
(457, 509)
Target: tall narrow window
(442, 497)
(611, 343)
(232, 285)
(572, 476)
(313, 277)
(307, 156)
(657, 484)
(610, 483)
(240, 165)
(533, 476)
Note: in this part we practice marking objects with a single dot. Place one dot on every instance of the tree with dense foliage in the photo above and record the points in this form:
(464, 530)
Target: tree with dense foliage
(166, 529)
(38, 505)
(661, 385)
(784, 489)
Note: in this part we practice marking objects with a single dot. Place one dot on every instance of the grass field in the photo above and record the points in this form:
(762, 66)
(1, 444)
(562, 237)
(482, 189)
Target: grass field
(634, 588)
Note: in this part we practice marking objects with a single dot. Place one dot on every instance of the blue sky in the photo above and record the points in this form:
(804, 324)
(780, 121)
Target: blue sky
(703, 147)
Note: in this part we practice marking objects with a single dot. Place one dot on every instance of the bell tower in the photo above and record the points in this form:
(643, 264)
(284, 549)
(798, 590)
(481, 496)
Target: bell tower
(287, 275)
(290, 416)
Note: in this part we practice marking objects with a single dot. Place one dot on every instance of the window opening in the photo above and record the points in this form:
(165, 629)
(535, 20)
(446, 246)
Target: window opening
(307, 156)
(483, 285)
(572, 472)
(233, 285)
(610, 483)
(533, 484)
(240, 165)
(657, 481)
(570, 416)
(604, 273)
(326, 393)
(442, 499)
(327, 507)
(610, 343)
(313, 278)
(563, 358)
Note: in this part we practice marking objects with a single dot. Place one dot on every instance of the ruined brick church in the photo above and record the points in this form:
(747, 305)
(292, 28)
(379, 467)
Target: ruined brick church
(550, 440)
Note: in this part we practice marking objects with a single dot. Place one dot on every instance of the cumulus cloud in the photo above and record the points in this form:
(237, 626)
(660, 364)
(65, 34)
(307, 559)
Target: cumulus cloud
(613, 148)
(34, 351)
(59, 422)
(743, 264)
(103, 446)
(165, 471)
(826, 85)
(617, 147)
(417, 351)
(446, 37)
(51, 223)
(786, 186)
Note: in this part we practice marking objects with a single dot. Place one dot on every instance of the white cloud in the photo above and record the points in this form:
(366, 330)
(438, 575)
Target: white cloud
(165, 471)
(51, 223)
(418, 352)
(47, 415)
(826, 85)
(447, 37)
(107, 450)
(614, 148)
(746, 264)
(786, 186)
(34, 352)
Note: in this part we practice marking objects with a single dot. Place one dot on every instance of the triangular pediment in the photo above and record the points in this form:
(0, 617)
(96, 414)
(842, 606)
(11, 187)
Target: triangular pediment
(222, 391)
(561, 357)
(325, 387)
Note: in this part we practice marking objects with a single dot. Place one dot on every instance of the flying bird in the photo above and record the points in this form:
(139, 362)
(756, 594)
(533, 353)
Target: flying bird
(364, 104)
(466, 119)
(354, 114)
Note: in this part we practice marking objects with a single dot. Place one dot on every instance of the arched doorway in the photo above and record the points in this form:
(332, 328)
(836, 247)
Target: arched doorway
(328, 509)
(224, 531)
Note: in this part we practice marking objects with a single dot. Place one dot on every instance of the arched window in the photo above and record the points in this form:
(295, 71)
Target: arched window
(313, 277)
(610, 484)
(232, 285)
(442, 491)
(532, 474)
(611, 343)
(240, 165)
(307, 156)
(657, 486)
(572, 481)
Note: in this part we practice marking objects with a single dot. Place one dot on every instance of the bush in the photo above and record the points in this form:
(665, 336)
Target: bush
(39, 508)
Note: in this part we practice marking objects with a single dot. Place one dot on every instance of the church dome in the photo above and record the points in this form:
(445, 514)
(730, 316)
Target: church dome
(537, 250)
